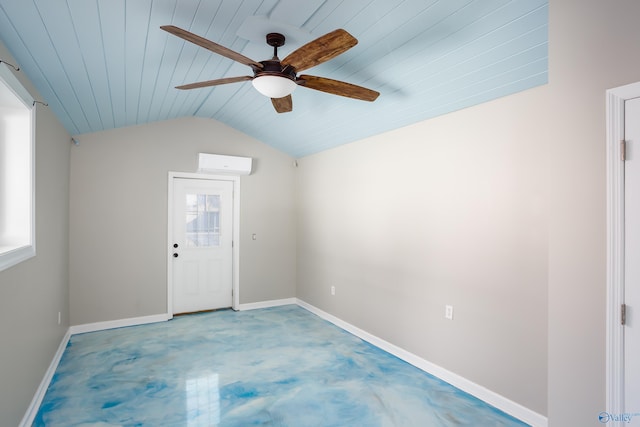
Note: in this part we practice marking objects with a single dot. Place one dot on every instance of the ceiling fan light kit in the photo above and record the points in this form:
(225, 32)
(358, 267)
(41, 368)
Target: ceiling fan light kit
(277, 79)
(274, 86)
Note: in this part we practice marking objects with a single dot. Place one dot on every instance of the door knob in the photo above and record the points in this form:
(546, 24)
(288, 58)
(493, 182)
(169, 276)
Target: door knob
(175, 255)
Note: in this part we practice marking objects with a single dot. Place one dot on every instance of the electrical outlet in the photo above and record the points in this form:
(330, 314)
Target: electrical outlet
(333, 290)
(448, 312)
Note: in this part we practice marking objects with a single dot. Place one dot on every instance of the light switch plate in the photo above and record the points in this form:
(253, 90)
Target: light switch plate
(448, 312)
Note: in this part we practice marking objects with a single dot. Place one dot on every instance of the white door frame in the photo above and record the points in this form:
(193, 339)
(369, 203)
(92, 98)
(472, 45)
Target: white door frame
(615, 244)
(236, 234)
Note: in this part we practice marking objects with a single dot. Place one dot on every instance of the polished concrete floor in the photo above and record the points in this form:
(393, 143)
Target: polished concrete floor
(280, 366)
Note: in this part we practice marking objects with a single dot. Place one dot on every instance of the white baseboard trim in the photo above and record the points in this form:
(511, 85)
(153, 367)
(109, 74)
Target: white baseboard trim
(508, 406)
(121, 323)
(33, 408)
(267, 304)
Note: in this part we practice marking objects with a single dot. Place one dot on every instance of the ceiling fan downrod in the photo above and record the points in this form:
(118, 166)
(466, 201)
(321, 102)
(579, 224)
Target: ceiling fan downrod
(276, 40)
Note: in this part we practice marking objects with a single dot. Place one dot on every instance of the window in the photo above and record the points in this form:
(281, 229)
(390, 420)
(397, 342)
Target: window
(17, 231)
(203, 220)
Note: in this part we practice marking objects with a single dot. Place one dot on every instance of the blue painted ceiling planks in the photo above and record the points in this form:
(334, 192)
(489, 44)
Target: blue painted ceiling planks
(106, 64)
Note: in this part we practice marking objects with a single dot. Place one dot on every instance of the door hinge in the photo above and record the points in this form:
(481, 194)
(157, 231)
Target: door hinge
(623, 314)
(623, 150)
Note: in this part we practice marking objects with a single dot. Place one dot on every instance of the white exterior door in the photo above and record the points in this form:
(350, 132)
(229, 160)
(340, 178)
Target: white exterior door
(202, 253)
(632, 257)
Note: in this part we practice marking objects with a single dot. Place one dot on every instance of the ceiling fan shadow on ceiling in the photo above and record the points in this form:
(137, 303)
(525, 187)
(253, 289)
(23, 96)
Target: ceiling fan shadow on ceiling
(277, 79)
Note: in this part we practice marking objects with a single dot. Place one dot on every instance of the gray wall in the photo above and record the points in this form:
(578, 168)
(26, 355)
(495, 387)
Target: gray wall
(594, 47)
(448, 211)
(498, 210)
(119, 216)
(33, 292)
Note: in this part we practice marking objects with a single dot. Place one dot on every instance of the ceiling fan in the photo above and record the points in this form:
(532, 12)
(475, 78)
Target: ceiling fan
(277, 79)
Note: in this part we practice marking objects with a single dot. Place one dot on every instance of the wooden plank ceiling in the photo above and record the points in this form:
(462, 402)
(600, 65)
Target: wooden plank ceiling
(104, 64)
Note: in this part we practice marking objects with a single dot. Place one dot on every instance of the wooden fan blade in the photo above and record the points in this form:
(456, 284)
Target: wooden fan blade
(337, 87)
(213, 47)
(320, 50)
(282, 105)
(215, 82)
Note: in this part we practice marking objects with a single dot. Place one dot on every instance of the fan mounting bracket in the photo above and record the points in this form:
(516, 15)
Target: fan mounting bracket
(275, 39)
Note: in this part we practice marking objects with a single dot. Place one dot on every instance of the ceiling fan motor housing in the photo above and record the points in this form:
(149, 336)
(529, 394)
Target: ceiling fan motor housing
(274, 68)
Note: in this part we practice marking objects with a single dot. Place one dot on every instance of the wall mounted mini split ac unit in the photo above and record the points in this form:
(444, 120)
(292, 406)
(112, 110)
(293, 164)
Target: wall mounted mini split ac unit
(227, 165)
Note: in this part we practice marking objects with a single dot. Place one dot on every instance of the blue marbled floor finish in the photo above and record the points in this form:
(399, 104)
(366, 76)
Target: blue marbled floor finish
(273, 367)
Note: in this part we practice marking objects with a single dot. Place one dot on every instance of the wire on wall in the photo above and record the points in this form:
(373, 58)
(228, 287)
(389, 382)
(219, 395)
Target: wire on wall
(10, 65)
(18, 69)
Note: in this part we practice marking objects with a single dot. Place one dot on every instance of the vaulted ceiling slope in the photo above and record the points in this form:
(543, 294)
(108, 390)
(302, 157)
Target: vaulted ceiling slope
(104, 64)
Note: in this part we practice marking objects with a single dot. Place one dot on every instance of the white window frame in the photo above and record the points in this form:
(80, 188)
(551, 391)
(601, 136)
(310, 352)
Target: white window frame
(12, 255)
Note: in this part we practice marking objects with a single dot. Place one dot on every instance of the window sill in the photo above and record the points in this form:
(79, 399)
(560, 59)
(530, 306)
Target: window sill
(12, 255)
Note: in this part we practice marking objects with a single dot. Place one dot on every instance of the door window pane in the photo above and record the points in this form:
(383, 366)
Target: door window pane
(202, 220)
